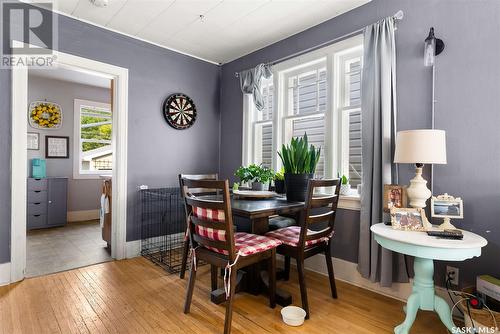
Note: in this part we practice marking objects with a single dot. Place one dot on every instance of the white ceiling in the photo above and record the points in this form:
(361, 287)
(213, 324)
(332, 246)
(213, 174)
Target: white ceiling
(229, 28)
(70, 75)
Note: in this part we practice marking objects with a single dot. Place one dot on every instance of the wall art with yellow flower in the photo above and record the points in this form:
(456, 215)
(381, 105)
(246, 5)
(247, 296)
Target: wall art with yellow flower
(45, 115)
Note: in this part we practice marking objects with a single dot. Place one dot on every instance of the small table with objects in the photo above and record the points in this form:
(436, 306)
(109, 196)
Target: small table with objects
(426, 249)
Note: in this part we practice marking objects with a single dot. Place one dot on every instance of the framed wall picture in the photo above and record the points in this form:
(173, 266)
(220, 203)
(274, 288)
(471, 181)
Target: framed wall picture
(56, 147)
(33, 141)
(394, 197)
(408, 219)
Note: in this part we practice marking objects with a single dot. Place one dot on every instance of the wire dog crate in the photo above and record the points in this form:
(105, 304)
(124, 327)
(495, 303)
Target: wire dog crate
(163, 225)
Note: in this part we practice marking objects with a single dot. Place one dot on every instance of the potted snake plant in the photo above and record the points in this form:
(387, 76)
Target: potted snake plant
(299, 161)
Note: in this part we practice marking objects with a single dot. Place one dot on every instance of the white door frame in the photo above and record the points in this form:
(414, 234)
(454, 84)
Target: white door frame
(19, 162)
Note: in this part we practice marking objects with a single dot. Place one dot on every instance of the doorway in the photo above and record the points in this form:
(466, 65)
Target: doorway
(19, 190)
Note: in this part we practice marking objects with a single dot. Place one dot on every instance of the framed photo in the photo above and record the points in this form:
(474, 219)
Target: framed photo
(56, 147)
(446, 206)
(408, 219)
(394, 196)
(33, 141)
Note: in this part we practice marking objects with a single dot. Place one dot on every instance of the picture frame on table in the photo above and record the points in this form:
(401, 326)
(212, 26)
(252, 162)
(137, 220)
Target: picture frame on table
(446, 206)
(56, 147)
(408, 219)
(395, 196)
(33, 141)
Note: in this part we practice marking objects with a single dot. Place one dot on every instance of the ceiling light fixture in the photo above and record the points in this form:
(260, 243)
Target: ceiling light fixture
(99, 3)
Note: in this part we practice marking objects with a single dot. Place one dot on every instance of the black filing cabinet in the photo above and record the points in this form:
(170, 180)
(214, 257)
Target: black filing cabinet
(47, 202)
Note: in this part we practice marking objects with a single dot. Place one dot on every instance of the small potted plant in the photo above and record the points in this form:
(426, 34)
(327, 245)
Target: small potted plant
(345, 187)
(256, 175)
(299, 160)
(279, 181)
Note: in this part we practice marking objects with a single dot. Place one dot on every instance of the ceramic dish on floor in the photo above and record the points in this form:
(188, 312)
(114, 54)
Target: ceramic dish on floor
(293, 315)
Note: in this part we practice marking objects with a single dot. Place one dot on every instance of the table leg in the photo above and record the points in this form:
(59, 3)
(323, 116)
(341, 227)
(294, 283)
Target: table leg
(443, 310)
(423, 297)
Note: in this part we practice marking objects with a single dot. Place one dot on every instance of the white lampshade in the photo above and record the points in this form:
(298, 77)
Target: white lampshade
(421, 146)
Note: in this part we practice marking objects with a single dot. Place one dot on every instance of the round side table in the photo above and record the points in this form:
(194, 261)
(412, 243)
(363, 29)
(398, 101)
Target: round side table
(426, 249)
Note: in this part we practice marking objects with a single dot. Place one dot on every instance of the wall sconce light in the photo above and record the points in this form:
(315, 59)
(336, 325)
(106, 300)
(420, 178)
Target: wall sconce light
(433, 47)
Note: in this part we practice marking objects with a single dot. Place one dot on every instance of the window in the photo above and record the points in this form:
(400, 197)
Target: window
(93, 139)
(306, 105)
(350, 110)
(319, 94)
(260, 130)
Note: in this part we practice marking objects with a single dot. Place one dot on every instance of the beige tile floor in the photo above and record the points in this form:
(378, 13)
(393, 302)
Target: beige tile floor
(62, 248)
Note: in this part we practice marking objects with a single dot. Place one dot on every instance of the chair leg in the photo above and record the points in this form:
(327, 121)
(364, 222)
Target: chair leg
(185, 254)
(303, 289)
(286, 274)
(229, 302)
(271, 270)
(190, 288)
(213, 276)
(331, 275)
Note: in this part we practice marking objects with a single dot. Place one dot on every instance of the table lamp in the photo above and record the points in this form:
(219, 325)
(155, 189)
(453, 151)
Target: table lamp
(420, 147)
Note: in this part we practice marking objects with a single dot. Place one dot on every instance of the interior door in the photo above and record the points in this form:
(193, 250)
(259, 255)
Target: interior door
(57, 202)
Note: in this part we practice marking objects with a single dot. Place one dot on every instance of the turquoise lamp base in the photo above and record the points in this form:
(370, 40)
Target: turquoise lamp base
(423, 297)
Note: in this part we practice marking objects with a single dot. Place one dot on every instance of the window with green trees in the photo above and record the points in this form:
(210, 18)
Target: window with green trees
(95, 134)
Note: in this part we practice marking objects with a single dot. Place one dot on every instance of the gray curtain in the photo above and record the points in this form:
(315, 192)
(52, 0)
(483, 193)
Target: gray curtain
(378, 106)
(250, 81)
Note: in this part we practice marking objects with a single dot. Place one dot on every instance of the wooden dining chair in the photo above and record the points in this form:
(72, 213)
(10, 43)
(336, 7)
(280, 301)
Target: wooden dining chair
(187, 209)
(214, 241)
(301, 242)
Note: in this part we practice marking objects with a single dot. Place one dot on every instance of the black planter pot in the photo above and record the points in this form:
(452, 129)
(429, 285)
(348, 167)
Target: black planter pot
(279, 186)
(296, 186)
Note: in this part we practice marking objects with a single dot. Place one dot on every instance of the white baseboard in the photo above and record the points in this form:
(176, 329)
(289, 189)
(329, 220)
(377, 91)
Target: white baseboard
(132, 249)
(83, 215)
(347, 272)
(4, 273)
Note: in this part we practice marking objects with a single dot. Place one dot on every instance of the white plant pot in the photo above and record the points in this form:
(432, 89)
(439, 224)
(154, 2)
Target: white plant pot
(345, 189)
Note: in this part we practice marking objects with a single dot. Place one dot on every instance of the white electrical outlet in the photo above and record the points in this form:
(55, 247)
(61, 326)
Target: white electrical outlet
(452, 273)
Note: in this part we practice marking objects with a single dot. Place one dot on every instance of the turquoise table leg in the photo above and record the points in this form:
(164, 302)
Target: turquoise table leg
(424, 298)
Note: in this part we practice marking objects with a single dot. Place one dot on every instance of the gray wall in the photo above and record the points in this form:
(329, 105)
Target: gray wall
(82, 194)
(156, 152)
(467, 90)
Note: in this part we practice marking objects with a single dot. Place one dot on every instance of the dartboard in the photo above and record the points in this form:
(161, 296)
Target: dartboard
(179, 111)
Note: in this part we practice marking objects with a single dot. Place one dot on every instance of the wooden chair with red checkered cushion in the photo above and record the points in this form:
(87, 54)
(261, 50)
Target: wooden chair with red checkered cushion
(313, 235)
(187, 208)
(214, 241)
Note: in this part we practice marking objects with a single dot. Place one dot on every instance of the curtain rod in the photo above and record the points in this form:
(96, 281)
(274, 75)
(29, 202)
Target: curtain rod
(399, 15)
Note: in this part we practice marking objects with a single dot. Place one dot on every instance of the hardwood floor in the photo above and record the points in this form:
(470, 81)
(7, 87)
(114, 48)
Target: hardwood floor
(134, 296)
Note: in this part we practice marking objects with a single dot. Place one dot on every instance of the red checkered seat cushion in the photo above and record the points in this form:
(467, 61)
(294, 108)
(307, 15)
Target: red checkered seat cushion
(290, 236)
(245, 243)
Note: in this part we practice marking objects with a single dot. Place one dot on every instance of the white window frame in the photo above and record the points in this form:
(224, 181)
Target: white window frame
(335, 136)
(340, 110)
(252, 152)
(77, 172)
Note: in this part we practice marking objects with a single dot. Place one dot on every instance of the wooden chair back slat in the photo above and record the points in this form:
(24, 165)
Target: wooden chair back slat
(222, 245)
(321, 218)
(318, 234)
(319, 202)
(208, 223)
(201, 203)
(200, 191)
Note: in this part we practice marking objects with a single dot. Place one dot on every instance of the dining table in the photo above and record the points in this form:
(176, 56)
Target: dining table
(253, 215)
